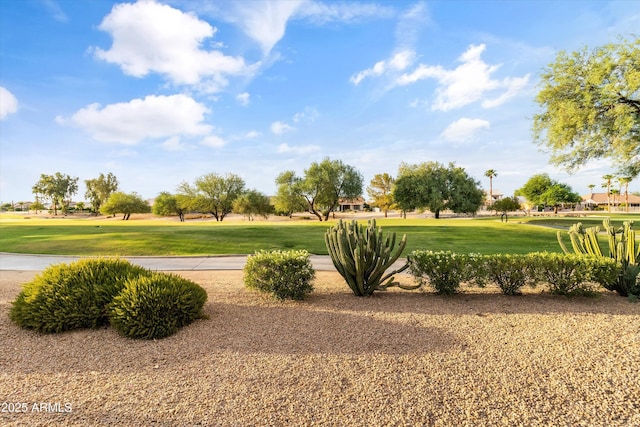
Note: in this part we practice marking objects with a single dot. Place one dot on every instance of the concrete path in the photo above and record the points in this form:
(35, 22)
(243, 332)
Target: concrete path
(23, 262)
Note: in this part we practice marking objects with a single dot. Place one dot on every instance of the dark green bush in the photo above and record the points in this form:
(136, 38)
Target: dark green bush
(156, 306)
(572, 274)
(509, 272)
(443, 270)
(285, 274)
(71, 296)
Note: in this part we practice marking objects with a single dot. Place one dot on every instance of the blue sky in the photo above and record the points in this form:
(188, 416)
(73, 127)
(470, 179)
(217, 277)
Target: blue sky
(163, 92)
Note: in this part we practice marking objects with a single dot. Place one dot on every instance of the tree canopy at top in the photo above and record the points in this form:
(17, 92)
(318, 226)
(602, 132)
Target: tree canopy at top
(591, 107)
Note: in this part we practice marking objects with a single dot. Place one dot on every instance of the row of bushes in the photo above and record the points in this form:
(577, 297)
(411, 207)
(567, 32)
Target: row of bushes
(564, 274)
(288, 274)
(91, 293)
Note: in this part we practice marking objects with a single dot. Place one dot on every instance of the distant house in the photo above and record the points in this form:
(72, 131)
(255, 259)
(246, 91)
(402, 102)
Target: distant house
(601, 201)
(351, 204)
(493, 197)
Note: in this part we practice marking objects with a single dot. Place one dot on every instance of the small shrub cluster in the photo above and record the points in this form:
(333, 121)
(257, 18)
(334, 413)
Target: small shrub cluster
(91, 293)
(509, 272)
(285, 274)
(156, 305)
(443, 270)
(566, 274)
(572, 274)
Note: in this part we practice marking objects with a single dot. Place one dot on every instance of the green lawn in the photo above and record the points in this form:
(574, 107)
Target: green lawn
(164, 237)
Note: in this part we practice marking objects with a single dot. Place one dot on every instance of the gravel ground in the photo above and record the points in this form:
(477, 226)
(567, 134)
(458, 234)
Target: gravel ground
(398, 358)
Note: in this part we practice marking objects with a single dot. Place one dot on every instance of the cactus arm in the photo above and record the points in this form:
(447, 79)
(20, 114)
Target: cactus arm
(562, 245)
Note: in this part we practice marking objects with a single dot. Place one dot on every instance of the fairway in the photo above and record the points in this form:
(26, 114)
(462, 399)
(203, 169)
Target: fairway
(159, 237)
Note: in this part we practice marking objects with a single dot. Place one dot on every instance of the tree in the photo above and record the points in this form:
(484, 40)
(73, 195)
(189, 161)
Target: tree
(167, 204)
(591, 107)
(125, 204)
(57, 188)
(380, 189)
(327, 182)
(607, 183)
(490, 174)
(37, 206)
(506, 205)
(436, 187)
(625, 180)
(540, 189)
(212, 193)
(289, 198)
(252, 203)
(99, 189)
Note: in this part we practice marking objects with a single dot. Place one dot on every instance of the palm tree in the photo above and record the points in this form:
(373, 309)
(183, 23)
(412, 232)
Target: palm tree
(490, 174)
(607, 184)
(625, 180)
(590, 186)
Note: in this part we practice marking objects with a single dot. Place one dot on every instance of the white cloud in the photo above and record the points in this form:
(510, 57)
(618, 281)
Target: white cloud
(349, 12)
(280, 128)
(467, 83)
(264, 21)
(151, 117)
(213, 141)
(410, 24)
(243, 98)
(303, 149)
(252, 134)
(56, 11)
(514, 85)
(309, 114)
(464, 129)
(174, 144)
(150, 37)
(398, 62)
(8, 103)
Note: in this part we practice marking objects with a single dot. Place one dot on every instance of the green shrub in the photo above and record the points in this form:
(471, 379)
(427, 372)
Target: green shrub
(71, 296)
(573, 274)
(509, 272)
(285, 274)
(443, 270)
(156, 305)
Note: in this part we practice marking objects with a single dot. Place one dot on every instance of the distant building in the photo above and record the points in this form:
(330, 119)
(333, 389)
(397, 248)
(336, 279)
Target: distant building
(351, 204)
(616, 201)
(493, 197)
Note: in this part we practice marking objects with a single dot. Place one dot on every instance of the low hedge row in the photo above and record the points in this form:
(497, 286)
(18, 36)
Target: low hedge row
(90, 293)
(564, 274)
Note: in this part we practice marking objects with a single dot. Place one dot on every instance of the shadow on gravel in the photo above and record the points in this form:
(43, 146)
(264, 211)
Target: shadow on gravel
(295, 329)
(420, 302)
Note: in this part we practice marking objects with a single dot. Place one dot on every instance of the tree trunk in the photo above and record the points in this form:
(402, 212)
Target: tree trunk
(437, 213)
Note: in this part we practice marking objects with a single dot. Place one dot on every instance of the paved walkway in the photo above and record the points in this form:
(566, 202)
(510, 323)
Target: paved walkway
(23, 262)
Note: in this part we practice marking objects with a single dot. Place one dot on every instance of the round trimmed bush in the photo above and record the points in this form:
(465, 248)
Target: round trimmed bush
(72, 296)
(285, 274)
(156, 305)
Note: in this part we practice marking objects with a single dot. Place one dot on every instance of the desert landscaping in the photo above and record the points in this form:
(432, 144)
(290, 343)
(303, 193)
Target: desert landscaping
(396, 358)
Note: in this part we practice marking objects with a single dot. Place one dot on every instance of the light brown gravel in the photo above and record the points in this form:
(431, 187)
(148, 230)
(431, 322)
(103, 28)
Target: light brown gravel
(396, 359)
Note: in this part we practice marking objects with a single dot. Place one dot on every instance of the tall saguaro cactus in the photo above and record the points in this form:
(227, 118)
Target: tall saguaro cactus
(362, 255)
(623, 247)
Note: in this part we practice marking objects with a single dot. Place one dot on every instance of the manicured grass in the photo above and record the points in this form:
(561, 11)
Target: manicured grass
(163, 237)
